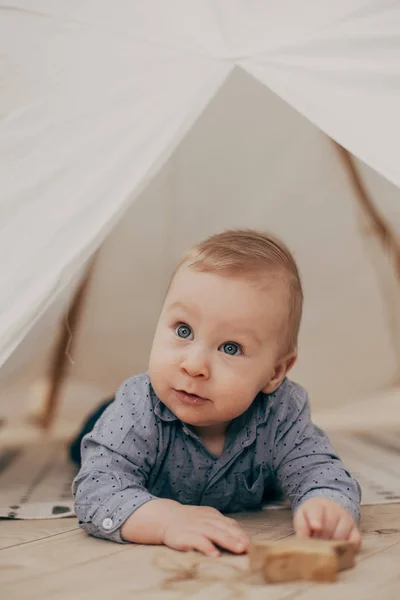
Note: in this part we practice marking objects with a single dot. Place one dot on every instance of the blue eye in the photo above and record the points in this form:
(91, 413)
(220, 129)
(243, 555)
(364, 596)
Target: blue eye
(231, 348)
(183, 331)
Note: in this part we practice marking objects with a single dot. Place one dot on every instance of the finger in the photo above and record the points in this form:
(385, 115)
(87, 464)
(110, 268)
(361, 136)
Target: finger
(314, 514)
(197, 541)
(343, 528)
(224, 539)
(301, 525)
(236, 530)
(233, 523)
(330, 521)
(355, 537)
(231, 520)
(210, 511)
(231, 527)
(214, 518)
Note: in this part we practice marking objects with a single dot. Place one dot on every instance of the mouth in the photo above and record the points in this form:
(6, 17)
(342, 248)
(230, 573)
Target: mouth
(192, 399)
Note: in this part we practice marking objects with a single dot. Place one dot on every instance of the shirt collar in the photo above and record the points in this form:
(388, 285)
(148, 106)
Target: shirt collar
(244, 427)
(160, 409)
(267, 401)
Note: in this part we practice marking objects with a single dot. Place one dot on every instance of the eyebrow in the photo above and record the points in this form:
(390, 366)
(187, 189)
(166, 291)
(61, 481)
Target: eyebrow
(179, 305)
(250, 334)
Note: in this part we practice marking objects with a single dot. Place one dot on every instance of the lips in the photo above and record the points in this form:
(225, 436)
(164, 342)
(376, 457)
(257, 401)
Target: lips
(192, 399)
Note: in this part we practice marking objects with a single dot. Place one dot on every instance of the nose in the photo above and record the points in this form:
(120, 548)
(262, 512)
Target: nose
(195, 363)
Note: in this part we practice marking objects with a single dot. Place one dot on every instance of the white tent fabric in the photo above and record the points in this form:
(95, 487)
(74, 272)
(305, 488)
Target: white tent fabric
(95, 95)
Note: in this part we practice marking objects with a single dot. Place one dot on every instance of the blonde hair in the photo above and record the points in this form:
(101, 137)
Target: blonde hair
(248, 252)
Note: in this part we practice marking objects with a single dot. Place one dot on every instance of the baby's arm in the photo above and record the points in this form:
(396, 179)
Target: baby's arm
(111, 497)
(325, 498)
(184, 527)
(117, 457)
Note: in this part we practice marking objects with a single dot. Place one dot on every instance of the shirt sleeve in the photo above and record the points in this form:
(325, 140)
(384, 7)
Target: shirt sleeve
(117, 457)
(305, 463)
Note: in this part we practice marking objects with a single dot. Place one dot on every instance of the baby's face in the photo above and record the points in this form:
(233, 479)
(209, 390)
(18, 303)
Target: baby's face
(217, 344)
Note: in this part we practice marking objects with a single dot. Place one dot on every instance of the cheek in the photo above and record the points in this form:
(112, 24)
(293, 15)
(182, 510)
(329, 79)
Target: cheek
(162, 357)
(233, 400)
(239, 382)
(232, 386)
(159, 374)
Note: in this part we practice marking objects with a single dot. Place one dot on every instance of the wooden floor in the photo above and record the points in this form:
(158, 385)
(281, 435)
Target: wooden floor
(55, 559)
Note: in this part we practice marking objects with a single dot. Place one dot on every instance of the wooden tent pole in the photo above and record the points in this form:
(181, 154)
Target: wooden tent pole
(379, 226)
(59, 364)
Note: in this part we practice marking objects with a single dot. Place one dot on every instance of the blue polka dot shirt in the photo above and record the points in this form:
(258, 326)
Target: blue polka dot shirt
(139, 450)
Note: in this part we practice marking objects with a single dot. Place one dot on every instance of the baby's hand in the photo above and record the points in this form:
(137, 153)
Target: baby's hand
(200, 528)
(327, 520)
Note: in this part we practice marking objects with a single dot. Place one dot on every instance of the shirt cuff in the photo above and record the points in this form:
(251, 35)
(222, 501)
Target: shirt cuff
(345, 502)
(105, 521)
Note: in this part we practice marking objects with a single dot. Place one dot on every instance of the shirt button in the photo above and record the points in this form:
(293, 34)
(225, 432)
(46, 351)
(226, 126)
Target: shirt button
(107, 524)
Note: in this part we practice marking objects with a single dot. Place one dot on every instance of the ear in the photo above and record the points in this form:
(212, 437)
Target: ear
(281, 369)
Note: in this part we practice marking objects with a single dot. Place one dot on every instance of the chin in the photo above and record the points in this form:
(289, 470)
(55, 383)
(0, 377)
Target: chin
(186, 415)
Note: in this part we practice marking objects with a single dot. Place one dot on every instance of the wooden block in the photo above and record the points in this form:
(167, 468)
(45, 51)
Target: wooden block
(296, 559)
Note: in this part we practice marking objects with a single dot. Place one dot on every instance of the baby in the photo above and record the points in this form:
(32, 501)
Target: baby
(215, 425)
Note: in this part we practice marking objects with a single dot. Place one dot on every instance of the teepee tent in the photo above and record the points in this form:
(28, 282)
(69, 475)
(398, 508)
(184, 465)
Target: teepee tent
(203, 112)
